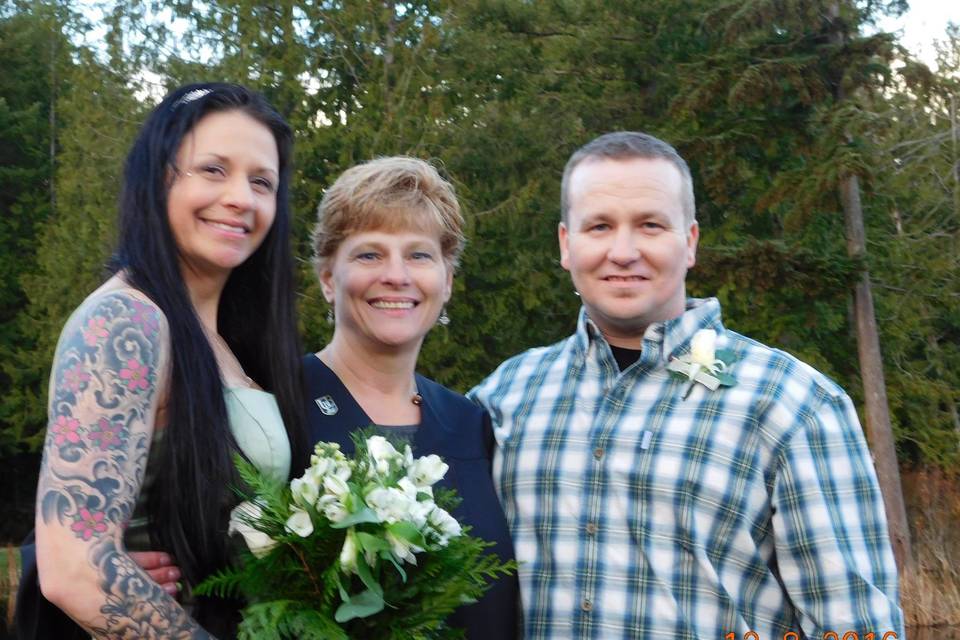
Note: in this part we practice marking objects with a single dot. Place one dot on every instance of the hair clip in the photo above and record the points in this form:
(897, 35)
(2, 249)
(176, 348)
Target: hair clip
(190, 96)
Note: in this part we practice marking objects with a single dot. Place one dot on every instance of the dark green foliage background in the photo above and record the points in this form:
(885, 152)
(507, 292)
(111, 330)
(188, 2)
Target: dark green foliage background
(499, 93)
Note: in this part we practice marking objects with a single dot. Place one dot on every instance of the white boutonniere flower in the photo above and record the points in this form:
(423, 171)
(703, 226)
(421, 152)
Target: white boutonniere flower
(704, 364)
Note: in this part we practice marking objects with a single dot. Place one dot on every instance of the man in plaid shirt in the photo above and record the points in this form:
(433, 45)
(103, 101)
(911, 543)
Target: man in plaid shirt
(744, 512)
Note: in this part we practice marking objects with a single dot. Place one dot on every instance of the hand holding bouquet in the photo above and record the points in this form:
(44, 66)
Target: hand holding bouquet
(354, 548)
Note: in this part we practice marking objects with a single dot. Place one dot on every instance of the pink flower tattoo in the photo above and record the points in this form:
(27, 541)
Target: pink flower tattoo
(147, 317)
(88, 524)
(66, 429)
(75, 377)
(105, 434)
(135, 374)
(96, 330)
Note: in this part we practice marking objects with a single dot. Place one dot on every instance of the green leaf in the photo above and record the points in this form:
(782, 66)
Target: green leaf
(364, 515)
(363, 570)
(409, 532)
(362, 605)
(726, 379)
(388, 556)
(726, 356)
(368, 542)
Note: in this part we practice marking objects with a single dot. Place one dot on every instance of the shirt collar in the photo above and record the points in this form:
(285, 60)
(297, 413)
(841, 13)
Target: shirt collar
(661, 340)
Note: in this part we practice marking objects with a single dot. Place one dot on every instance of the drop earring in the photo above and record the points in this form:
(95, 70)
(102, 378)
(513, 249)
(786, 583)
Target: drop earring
(330, 317)
(444, 319)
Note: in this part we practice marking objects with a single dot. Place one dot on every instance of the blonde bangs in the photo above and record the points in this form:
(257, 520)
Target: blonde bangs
(393, 195)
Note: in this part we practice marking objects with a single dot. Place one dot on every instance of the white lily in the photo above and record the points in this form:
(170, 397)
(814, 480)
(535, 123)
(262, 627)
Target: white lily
(299, 523)
(257, 541)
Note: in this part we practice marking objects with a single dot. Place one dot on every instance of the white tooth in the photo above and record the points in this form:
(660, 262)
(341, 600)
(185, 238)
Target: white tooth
(382, 304)
(226, 227)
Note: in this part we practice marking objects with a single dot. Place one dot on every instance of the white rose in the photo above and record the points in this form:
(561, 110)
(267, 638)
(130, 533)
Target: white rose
(391, 505)
(380, 449)
(348, 554)
(445, 524)
(299, 523)
(305, 491)
(702, 347)
(257, 541)
(427, 470)
(419, 512)
(333, 509)
(408, 488)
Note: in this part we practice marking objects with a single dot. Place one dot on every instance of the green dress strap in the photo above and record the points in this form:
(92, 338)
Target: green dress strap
(257, 427)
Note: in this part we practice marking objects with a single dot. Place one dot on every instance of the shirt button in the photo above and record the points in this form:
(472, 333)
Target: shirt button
(586, 605)
(598, 453)
(591, 528)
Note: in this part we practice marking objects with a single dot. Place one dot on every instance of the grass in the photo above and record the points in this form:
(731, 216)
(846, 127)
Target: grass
(9, 578)
(930, 590)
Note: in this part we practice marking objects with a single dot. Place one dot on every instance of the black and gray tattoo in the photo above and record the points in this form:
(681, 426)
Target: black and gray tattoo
(102, 397)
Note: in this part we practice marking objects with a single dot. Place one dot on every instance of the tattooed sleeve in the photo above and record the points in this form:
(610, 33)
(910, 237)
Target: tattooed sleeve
(103, 394)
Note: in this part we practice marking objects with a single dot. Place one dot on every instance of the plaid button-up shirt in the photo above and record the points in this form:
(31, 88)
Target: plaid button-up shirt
(637, 514)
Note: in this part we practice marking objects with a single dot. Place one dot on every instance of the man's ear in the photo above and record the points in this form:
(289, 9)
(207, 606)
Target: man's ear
(563, 238)
(693, 237)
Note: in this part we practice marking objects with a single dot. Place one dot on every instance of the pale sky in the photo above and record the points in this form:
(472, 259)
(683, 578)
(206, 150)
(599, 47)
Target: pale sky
(926, 21)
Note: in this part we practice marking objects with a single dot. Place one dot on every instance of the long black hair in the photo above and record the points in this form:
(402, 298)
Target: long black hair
(256, 317)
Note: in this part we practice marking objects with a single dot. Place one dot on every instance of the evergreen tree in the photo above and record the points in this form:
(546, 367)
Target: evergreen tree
(36, 54)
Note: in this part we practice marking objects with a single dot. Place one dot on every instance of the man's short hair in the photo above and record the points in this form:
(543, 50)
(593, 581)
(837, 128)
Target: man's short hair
(628, 145)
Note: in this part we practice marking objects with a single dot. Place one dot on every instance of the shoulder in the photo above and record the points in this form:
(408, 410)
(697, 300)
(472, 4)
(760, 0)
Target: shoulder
(776, 368)
(452, 425)
(313, 369)
(446, 399)
(528, 365)
(107, 307)
(787, 396)
(120, 329)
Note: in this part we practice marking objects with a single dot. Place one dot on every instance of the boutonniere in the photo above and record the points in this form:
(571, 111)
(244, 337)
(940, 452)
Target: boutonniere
(704, 364)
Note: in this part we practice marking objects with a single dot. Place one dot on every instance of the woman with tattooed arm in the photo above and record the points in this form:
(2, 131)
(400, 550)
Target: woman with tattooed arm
(164, 372)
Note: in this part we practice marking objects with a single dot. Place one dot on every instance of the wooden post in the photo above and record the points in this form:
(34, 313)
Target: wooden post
(877, 424)
(878, 428)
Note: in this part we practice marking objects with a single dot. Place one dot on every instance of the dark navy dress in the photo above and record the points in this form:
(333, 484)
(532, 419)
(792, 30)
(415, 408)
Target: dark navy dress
(458, 431)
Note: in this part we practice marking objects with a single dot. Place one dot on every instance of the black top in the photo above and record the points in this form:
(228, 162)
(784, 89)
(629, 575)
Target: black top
(625, 357)
(458, 431)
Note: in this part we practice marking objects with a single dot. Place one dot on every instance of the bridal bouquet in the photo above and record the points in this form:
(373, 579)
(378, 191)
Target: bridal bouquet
(354, 548)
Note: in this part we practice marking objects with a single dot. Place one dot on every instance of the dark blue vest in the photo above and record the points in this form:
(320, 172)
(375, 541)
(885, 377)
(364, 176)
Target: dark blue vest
(458, 431)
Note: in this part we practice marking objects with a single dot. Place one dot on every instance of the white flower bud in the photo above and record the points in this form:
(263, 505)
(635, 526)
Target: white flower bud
(348, 554)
